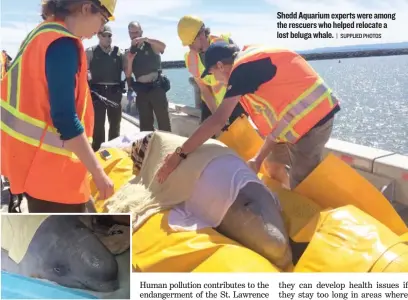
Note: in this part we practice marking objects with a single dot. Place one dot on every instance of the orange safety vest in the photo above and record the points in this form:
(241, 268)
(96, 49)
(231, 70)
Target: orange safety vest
(33, 156)
(196, 68)
(290, 104)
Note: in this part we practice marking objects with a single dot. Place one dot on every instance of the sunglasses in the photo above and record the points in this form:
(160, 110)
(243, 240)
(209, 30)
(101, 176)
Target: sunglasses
(108, 35)
(102, 12)
(104, 19)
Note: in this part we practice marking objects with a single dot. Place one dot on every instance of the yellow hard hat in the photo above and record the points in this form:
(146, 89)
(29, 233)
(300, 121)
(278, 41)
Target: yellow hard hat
(109, 6)
(188, 28)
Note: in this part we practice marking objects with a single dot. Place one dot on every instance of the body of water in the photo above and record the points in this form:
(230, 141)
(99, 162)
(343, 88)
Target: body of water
(372, 91)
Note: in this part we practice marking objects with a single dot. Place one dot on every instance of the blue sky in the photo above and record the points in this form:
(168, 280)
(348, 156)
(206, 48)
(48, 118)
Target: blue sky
(248, 22)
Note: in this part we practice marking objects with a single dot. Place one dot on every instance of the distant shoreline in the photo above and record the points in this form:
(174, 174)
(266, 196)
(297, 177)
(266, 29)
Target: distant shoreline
(179, 64)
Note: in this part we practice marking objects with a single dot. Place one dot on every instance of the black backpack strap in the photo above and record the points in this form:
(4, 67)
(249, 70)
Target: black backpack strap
(115, 51)
(93, 48)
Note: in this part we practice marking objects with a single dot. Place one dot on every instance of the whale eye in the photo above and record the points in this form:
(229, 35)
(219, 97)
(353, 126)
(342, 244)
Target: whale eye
(60, 270)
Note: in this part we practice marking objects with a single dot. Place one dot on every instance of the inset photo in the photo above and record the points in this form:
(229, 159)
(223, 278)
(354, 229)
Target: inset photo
(65, 256)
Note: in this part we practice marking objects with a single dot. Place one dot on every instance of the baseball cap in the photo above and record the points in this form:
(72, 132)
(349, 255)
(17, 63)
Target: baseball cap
(106, 29)
(217, 51)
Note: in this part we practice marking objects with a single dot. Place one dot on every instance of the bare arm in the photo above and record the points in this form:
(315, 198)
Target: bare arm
(157, 45)
(207, 95)
(265, 149)
(81, 147)
(211, 125)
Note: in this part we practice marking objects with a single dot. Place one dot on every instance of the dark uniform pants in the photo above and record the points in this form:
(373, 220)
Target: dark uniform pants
(41, 206)
(114, 94)
(153, 101)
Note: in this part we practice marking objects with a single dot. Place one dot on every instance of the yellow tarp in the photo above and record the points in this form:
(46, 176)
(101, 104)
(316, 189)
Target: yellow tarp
(334, 184)
(297, 210)
(119, 168)
(157, 248)
(357, 241)
(243, 138)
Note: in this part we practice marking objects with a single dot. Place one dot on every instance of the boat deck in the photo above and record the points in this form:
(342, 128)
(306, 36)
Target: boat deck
(126, 127)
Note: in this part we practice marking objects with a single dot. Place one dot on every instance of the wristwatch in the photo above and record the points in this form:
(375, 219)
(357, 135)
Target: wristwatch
(180, 153)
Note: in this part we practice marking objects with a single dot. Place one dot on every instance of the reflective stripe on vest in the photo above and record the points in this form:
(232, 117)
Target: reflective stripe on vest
(21, 126)
(193, 60)
(46, 27)
(282, 125)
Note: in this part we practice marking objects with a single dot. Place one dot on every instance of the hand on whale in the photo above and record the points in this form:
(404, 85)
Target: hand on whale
(65, 251)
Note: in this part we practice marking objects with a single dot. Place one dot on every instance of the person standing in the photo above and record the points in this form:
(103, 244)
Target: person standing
(297, 124)
(47, 114)
(194, 34)
(105, 64)
(143, 60)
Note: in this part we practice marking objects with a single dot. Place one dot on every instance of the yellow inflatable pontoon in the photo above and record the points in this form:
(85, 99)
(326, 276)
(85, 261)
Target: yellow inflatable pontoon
(333, 213)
